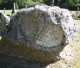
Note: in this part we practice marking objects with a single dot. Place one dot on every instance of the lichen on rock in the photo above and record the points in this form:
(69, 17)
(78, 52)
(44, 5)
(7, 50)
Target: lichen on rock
(43, 30)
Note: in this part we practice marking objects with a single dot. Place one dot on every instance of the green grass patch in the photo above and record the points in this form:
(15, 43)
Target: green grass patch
(78, 64)
(75, 44)
(7, 12)
(75, 14)
(77, 38)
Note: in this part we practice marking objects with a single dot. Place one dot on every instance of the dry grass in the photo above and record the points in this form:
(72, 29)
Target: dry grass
(7, 12)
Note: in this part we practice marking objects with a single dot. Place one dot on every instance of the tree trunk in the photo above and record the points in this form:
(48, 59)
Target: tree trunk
(56, 2)
(49, 2)
(52, 2)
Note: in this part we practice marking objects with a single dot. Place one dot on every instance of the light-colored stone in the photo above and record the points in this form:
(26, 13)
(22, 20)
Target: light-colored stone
(4, 18)
(39, 33)
(4, 21)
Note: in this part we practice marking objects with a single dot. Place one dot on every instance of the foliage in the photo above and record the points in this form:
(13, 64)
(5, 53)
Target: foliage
(71, 4)
(1, 1)
(19, 3)
(39, 1)
(49, 2)
(75, 15)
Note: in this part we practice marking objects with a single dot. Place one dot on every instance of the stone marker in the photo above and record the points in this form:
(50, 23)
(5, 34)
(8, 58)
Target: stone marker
(38, 33)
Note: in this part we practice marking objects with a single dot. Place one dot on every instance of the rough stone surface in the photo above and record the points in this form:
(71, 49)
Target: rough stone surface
(4, 21)
(38, 33)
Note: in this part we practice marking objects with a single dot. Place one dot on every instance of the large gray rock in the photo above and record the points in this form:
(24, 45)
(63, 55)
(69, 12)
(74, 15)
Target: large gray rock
(4, 21)
(39, 33)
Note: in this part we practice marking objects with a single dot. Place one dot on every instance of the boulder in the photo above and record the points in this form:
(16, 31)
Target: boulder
(4, 18)
(4, 21)
(39, 33)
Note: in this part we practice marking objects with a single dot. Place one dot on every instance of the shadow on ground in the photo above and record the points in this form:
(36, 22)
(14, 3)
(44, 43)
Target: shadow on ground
(14, 62)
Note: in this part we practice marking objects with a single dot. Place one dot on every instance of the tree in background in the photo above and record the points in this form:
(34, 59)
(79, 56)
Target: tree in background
(74, 3)
(52, 2)
(1, 1)
(49, 2)
(8, 4)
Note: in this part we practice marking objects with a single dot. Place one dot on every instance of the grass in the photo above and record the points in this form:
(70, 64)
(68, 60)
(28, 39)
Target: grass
(75, 14)
(75, 47)
(78, 65)
(77, 38)
(7, 12)
(76, 43)
(71, 53)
